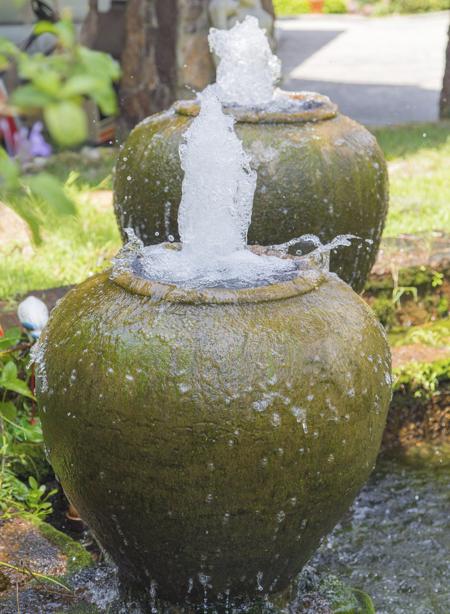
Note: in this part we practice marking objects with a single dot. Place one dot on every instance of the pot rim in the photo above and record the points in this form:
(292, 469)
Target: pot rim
(309, 107)
(310, 276)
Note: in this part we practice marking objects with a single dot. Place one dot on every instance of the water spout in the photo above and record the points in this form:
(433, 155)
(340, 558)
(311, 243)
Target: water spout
(247, 69)
(218, 185)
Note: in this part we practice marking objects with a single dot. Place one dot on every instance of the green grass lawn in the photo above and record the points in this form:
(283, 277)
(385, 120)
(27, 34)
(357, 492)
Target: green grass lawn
(419, 164)
(419, 169)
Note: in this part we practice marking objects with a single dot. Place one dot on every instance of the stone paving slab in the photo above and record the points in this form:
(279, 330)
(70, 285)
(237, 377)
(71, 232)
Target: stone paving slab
(378, 70)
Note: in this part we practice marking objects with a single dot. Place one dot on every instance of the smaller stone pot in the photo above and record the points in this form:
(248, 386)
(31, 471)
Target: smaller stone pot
(319, 172)
(210, 438)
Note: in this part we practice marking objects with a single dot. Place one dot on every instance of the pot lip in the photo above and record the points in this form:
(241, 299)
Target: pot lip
(301, 107)
(310, 276)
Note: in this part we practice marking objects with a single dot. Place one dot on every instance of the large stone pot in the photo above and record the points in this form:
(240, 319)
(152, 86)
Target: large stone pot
(319, 172)
(210, 438)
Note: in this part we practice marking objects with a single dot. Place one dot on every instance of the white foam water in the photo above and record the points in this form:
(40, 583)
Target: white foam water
(219, 184)
(215, 212)
(247, 69)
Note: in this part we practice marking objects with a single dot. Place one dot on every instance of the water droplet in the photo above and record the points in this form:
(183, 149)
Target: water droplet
(276, 419)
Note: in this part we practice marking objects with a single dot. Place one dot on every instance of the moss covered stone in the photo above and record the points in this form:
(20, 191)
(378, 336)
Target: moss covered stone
(211, 438)
(322, 173)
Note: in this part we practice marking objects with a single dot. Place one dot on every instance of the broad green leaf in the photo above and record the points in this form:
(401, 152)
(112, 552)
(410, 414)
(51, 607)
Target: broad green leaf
(18, 386)
(77, 85)
(10, 381)
(48, 83)
(30, 97)
(25, 208)
(9, 372)
(33, 483)
(30, 65)
(9, 172)
(106, 99)
(98, 63)
(65, 31)
(10, 338)
(8, 48)
(99, 89)
(45, 27)
(51, 192)
(8, 51)
(8, 410)
(67, 123)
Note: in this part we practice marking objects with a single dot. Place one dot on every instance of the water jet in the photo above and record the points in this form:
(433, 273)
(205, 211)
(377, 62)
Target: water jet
(319, 172)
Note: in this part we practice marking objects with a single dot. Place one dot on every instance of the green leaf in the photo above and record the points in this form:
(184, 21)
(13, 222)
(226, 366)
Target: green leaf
(67, 123)
(99, 89)
(25, 208)
(106, 99)
(98, 63)
(51, 191)
(33, 483)
(9, 372)
(8, 410)
(48, 83)
(30, 97)
(8, 51)
(10, 338)
(8, 48)
(17, 386)
(80, 85)
(45, 27)
(10, 381)
(9, 173)
(65, 31)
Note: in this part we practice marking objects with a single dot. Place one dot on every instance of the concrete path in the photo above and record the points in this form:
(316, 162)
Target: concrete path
(378, 70)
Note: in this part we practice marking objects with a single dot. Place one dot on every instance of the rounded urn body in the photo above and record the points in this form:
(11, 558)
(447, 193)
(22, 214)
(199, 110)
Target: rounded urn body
(211, 439)
(321, 174)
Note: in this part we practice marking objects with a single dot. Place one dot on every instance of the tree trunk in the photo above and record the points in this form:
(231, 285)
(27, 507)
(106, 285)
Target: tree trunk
(163, 49)
(268, 6)
(89, 28)
(444, 103)
(148, 59)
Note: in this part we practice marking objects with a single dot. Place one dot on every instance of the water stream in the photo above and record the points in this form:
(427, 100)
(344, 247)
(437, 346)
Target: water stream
(395, 542)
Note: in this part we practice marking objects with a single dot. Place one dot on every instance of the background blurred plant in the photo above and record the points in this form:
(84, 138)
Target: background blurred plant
(21, 445)
(54, 87)
(298, 7)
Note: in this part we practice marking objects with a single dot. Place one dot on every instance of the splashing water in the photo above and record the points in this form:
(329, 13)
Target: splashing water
(215, 213)
(247, 70)
(218, 186)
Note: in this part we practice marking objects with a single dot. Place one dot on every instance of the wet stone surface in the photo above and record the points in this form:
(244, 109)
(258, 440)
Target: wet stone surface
(395, 544)
(31, 553)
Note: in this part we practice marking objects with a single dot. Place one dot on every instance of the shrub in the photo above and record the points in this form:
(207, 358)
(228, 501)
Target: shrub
(419, 6)
(335, 6)
(291, 7)
(20, 433)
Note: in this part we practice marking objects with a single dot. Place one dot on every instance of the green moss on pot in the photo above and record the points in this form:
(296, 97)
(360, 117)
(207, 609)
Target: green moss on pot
(209, 438)
(318, 172)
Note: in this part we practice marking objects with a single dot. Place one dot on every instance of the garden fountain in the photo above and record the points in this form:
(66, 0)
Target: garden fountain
(319, 172)
(211, 409)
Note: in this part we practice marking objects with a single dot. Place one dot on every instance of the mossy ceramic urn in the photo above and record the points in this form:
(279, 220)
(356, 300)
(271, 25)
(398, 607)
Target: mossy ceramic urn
(210, 438)
(319, 172)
